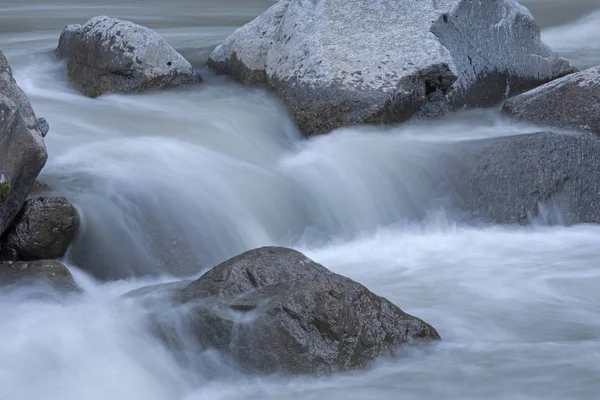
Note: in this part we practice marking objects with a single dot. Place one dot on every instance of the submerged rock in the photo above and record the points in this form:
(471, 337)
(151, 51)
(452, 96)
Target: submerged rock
(554, 177)
(158, 291)
(46, 272)
(22, 148)
(336, 63)
(39, 188)
(111, 55)
(43, 229)
(274, 310)
(572, 102)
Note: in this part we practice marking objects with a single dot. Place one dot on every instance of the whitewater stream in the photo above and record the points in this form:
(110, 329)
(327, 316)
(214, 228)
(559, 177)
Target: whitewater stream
(168, 184)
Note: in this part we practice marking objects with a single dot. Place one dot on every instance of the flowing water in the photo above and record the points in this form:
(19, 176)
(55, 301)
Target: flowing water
(170, 183)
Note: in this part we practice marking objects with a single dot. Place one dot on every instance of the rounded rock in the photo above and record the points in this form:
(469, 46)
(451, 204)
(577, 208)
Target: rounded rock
(43, 229)
(274, 310)
(109, 55)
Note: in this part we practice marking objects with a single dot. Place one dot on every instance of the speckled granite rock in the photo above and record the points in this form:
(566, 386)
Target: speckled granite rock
(344, 62)
(111, 55)
(22, 148)
(508, 180)
(572, 102)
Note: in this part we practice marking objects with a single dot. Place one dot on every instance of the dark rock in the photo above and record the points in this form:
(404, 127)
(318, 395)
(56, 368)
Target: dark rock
(22, 148)
(8, 255)
(47, 272)
(43, 126)
(159, 291)
(339, 63)
(43, 229)
(555, 177)
(572, 102)
(111, 55)
(274, 310)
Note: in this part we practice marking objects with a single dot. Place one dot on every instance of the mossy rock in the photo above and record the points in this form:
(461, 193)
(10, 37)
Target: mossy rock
(4, 191)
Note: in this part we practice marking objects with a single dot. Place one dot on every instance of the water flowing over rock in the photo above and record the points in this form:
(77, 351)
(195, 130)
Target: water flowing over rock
(47, 272)
(274, 310)
(43, 229)
(554, 177)
(572, 102)
(342, 62)
(111, 55)
(39, 189)
(22, 148)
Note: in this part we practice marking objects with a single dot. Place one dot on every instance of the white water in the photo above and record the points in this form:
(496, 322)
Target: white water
(174, 182)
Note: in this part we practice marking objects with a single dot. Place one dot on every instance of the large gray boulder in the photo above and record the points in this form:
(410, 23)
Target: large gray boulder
(572, 102)
(110, 55)
(274, 310)
(344, 62)
(514, 180)
(45, 272)
(43, 229)
(22, 148)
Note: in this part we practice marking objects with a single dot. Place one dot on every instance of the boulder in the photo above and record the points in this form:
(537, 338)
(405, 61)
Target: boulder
(110, 55)
(273, 310)
(343, 62)
(512, 180)
(48, 272)
(66, 40)
(22, 148)
(572, 102)
(43, 229)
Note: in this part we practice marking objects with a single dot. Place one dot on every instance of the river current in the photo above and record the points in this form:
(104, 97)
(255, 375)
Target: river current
(171, 183)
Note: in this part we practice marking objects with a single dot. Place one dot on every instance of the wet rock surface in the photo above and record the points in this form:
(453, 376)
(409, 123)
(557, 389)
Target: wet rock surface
(43, 229)
(41, 272)
(274, 310)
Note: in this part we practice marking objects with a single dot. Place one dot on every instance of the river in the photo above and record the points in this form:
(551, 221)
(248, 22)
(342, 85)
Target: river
(171, 183)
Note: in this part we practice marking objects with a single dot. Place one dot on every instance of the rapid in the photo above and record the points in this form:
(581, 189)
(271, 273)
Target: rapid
(169, 184)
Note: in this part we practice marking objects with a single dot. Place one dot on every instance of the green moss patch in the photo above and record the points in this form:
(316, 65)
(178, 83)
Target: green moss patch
(4, 191)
